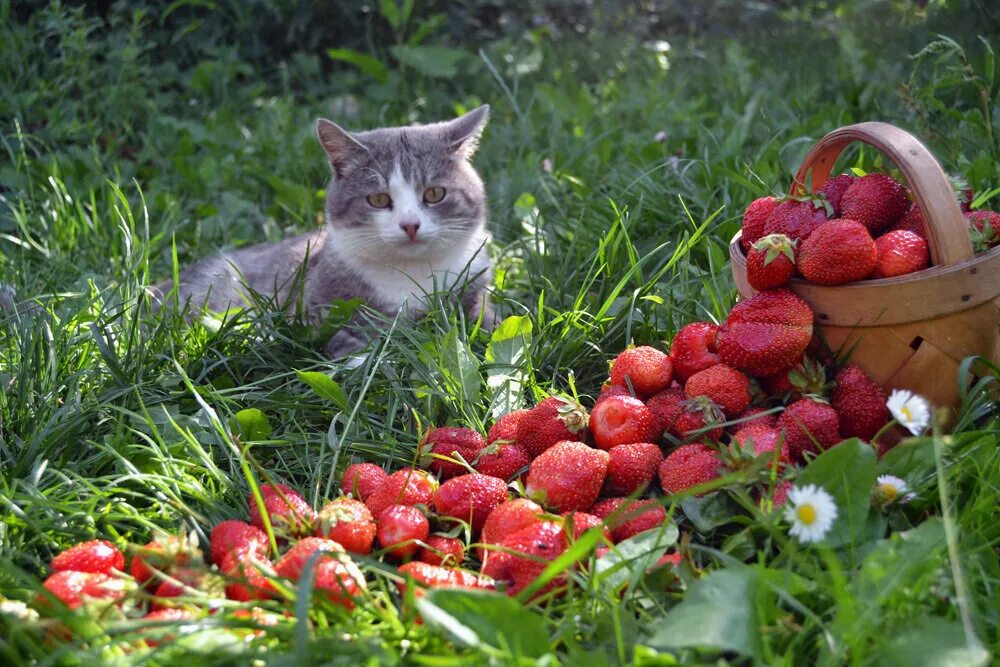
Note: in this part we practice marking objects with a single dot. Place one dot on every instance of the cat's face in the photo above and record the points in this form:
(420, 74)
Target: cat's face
(405, 193)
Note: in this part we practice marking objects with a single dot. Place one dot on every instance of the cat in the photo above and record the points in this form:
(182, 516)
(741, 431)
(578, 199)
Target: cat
(405, 216)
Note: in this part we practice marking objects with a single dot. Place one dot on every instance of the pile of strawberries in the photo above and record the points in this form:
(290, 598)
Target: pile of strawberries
(853, 228)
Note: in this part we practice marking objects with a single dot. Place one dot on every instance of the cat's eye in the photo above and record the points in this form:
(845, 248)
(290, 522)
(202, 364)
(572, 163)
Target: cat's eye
(433, 195)
(380, 199)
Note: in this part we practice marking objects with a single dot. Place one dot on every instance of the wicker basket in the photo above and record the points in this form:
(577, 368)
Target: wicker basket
(911, 331)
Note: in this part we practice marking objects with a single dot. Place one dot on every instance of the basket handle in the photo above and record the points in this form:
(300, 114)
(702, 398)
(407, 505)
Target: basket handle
(947, 233)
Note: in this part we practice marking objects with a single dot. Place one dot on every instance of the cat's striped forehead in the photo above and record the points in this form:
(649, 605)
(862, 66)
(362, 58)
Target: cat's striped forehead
(417, 154)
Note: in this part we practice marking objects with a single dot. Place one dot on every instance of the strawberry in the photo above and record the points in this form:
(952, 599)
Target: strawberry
(231, 534)
(876, 201)
(99, 556)
(631, 468)
(442, 550)
(694, 349)
(164, 616)
(796, 219)
(567, 476)
(187, 582)
(291, 515)
(505, 428)
(860, 403)
(754, 218)
(577, 523)
(756, 439)
(771, 499)
(525, 554)
(621, 420)
(401, 529)
(408, 486)
(277, 490)
(688, 466)
(360, 480)
(454, 443)
(766, 333)
(248, 574)
(291, 564)
(912, 221)
(645, 369)
(507, 519)
(771, 262)
(436, 576)
(833, 191)
(984, 228)
(697, 414)
(502, 459)
(74, 588)
(809, 426)
(339, 580)
(727, 387)
(348, 522)
(840, 251)
(551, 421)
(470, 498)
(627, 517)
(806, 378)
(900, 252)
(666, 408)
(755, 416)
(163, 554)
(608, 390)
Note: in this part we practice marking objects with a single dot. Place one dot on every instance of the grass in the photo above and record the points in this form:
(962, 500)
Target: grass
(136, 137)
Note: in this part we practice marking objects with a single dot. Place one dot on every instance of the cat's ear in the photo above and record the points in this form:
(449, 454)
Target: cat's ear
(462, 134)
(342, 150)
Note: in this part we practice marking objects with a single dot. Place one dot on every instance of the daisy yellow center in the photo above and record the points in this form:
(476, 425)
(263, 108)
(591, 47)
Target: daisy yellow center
(905, 411)
(889, 491)
(806, 514)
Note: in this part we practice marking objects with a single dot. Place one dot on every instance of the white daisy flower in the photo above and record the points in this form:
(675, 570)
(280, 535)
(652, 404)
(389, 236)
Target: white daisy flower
(890, 489)
(910, 410)
(811, 511)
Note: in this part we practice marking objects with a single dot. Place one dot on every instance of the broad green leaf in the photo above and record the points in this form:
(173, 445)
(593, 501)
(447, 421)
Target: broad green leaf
(252, 424)
(370, 65)
(932, 642)
(709, 511)
(460, 367)
(901, 563)
(718, 613)
(506, 355)
(485, 618)
(325, 388)
(434, 61)
(847, 472)
(629, 560)
(390, 12)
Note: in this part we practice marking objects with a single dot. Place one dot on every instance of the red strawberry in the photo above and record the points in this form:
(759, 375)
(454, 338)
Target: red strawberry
(505, 428)
(277, 490)
(567, 476)
(507, 519)
(74, 588)
(470, 498)
(727, 387)
(442, 550)
(806, 421)
(401, 529)
(876, 201)
(754, 218)
(666, 408)
(578, 523)
(436, 576)
(912, 221)
(631, 468)
(646, 369)
(248, 574)
(688, 466)
(766, 333)
(187, 582)
(408, 486)
(806, 378)
(761, 438)
(502, 459)
(840, 251)
(608, 390)
(291, 515)
(697, 414)
(833, 190)
(290, 565)
(756, 416)
(525, 554)
(164, 616)
(860, 403)
(98, 556)
(551, 421)
(348, 522)
(621, 420)
(796, 219)
(629, 517)
(228, 535)
(984, 228)
(339, 580)
(773, 498)
(900, 252)
(694, 349)
(771, 262)
(162, 554)
(454, 443)
(360, 480)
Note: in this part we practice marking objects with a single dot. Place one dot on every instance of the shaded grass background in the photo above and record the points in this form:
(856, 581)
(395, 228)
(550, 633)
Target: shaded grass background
(624, 144)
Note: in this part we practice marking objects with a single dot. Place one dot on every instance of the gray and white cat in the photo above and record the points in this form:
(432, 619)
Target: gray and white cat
(405, 216)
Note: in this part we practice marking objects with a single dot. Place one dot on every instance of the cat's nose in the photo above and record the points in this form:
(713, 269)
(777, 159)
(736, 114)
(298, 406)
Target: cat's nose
(410, 228)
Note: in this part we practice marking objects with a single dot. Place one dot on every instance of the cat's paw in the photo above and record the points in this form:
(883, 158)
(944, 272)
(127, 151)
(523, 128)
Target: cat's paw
(346, 343)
